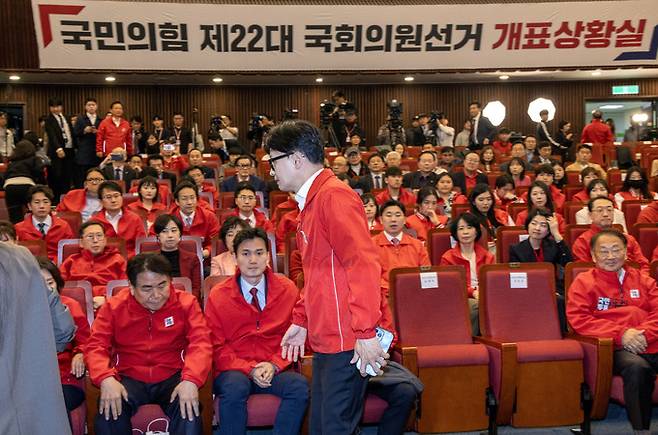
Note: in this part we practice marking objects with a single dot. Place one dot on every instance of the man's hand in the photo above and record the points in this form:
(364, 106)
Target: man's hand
(99, 155)
(371, 353)
(292, 343)
(206, 253)
(634, 340)
(112, 391)
(476, 294)
(89, 129)
(78, 366)
(60, 153)
(98, 301)
(188, 399)
(263, 373)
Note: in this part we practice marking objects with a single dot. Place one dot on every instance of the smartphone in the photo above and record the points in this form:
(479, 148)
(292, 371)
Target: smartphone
(169, 147)
(116, 157)
(385, 339)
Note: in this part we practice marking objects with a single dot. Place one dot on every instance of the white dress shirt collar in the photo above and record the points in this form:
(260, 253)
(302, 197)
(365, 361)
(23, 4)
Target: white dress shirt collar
(246, 291)
(302, 193)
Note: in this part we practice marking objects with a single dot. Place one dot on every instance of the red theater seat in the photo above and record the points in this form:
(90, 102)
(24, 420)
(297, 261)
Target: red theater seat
(506, 237)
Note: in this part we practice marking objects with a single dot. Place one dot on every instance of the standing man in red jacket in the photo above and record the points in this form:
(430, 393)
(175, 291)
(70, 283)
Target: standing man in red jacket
(247, 316)
(339, 309)
(597, 131)
(149, 345)
(113, 132)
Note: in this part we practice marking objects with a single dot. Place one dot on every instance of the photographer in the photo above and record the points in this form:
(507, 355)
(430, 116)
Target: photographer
(392, 132)
(260, 126)
(227, 131)
(445, 134)
(346, 125)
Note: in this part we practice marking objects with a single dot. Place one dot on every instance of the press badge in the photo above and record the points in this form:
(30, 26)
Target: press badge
(604, 304)
(635, 293)
(169, 321)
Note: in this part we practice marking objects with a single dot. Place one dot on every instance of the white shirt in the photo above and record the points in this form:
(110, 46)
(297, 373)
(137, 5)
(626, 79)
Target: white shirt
(260, 294)
(48, 223)
(92, 205)
(302, 193)
(251, 220)
(187, 219)
(390, 237)
(474, 130)
(116, 121)
(92, 118)
(381, 180)
(64, 125)
(114, 221)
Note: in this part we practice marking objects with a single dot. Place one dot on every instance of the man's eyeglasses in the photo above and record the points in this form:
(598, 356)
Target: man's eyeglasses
(274, 159)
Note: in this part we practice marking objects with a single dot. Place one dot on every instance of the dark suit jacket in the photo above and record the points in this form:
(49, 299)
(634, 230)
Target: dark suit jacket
(86, 142)
(208, 173)
(459, 180)
(129, 174)
(169, 176)
(367, 184)
(486, 130)
(55, 136)
(558, 254)
(185, 138)
(229, 185)
(414, 180)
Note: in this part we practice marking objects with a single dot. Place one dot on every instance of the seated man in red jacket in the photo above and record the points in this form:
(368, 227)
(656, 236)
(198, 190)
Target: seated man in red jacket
(618, 302)
(40, 224)
(197, 221)
(394, 189)
(119, 221)
(84, 200)
(245, 208)
(96, 262)
(161, 342)
(601, 211)
(247, 316)
(196, 174)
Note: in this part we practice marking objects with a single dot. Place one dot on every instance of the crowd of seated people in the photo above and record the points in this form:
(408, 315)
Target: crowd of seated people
(223, 199)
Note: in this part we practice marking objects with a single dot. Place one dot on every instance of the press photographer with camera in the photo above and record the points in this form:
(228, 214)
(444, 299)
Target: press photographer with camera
(445, 134)
(346, 126)
(221, 125)
(258, 129)
(392, 132)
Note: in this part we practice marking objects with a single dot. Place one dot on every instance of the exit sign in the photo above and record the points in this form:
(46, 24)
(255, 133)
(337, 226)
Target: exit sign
(626, 90)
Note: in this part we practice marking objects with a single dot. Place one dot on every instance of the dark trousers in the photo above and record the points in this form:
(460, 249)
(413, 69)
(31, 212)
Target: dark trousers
(639, 373)
(337, 394)
(474, 313)
(73, 396)
(140, 393)
(234, 388)
(400, 398)
(16, 200)
(61, 173)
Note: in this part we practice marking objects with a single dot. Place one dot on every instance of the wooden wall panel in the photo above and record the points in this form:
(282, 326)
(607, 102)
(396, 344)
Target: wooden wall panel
(241, 102)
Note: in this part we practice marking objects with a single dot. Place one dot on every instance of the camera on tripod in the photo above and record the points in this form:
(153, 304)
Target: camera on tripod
(216, 124)
(434, 119)
(394, 114)
(256, 120)
(326, 112)
(290, 114)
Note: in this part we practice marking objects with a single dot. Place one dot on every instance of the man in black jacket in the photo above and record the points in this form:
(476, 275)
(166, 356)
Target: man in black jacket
(157, 161)
(182, 134)
(60, 149)
(85, 132)
(425, 175)
(115, 168)
(483, 131)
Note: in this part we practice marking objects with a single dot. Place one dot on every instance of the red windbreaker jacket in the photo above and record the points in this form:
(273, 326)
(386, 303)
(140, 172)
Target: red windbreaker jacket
(60, 229)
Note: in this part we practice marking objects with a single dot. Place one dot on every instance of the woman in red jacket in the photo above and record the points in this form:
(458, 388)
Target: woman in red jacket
(470, 254)
(482, 207)
(168, 230)
(539, 196)
(372, 212)
(149, 206)
(426, 217)
(70, 360)
(447, 196)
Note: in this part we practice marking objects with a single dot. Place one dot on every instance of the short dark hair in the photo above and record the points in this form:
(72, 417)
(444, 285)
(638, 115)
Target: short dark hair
(543, 112)
(193, 168)
(185, 185)
(424, 192)
(471, 220)
(177, 114)
(475, 103)
(149, 171)
(245, 157)
(372, 156)
(7, 228)
(393, 171)
(40, 188)
(115, 102)
(561, 124)
(88, 224)
(152, 157)
(250, 234)
(587, 171)
(90, 99)
(597, 182)
(31, 136)
(90, 170)
(590, 203)
(137, 118)
(109, 185)
(545, 169)
(584, 146)
(392, 203)
(534, 212)
(54, 102)
(503, 180)
(244, 185)
(608, 232)
(147, 262)
(544, 144)
(338, 94)
(230, 223)
(148, 181)
(297, 135)
(49, 266)
(431, 153)
(528, 136)
(447, 149)
(163, 220)
(504, 130)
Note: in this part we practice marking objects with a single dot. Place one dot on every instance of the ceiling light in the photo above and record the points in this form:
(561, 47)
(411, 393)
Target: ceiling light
(495, 111)
(640, 117)
(319, 80)
(110, 78)
(596, 73)
(217, 79)
(539, 104)
(611, 107)
(409, 79)
(14, 77)
(504, 77)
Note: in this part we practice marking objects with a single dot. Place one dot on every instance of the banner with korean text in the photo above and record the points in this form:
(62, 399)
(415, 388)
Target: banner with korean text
(136, 35)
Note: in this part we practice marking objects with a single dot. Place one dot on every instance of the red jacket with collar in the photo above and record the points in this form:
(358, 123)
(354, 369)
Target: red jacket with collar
(288, 203)
(163, 192)
(261, 220)
(243, 337)
(408, 253)
(649, 215)
(341, 297)
(188, 262)
(581, 251)
(422, 225)
(594, 296)
(98, 270)
(597, 132)
(59, 230)
(406, 197)
(138, 208)
(109, 136)
(175, 163)
(453, 257)
(149, 347)
(581, 196)
(209, 187)
(74, 200)
(204, 225)
(77, 346)
(131, 228)
(287, 224)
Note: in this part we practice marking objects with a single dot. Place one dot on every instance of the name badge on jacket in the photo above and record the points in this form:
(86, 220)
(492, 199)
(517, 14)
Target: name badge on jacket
(604, 304)
(635, 293)
(169, 321)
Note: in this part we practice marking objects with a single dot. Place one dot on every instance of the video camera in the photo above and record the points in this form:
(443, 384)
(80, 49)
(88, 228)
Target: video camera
(434, 118)
(394, 114)
(327, 109)
(215, 124)
(290, 114)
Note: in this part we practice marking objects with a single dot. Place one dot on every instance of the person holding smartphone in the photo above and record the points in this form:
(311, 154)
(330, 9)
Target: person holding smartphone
(115, 168)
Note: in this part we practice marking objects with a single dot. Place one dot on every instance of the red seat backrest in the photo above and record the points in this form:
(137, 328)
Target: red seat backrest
(631, 209)
(37, 247)
(438, 242)
(647, 237)
(458, 209)
(572, 270)
(491, 178)
(289, 246)
(518, 314)
(430, 316)
(614, 176)
(570, 190)
(211, 282)
(574, 231)
(515, 208)
(506, 237)
(409, 164)
(73, 218)
(573, 177)
(277, 197)
(81, 291)
(570, 210)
